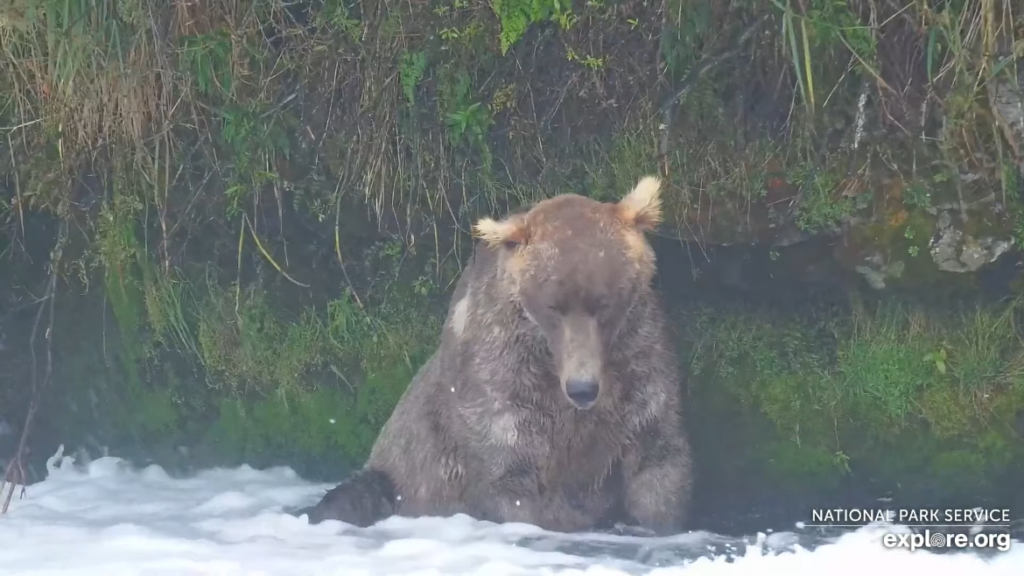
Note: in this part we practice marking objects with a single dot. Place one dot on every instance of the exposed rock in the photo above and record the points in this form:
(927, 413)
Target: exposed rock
(790, 234)
(875, 270)
(953, 250)
(1007, 101)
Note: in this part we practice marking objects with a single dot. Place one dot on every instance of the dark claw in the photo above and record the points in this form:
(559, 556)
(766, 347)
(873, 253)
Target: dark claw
(365, 498)
(621, 529)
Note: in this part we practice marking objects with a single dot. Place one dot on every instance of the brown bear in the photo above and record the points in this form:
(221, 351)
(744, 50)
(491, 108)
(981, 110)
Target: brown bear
(554, 396)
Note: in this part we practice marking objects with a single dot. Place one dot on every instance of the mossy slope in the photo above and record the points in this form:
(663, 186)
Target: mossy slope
(268, 202)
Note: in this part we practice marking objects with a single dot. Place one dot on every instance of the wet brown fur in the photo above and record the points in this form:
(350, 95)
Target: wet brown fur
(486, 427)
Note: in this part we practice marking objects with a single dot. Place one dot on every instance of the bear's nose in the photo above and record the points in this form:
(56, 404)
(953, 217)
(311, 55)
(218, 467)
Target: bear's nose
(583, 393)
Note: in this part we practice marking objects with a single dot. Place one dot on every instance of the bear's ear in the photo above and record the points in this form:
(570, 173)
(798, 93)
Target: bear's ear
(509, 233)
(641, 208)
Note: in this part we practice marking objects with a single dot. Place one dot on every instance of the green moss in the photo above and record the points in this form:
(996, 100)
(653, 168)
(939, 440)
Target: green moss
(947, 410)
(959, 471)
(324, 429)
(248, 348)
(807, 468)
(418, 115)
(997, 448)
(766, 366)
(883, 365)
(516, 16)
(985, 351)
(155, 414)
(111, 389)
(310, 387)
(891, 392)
(823, 204)
(320, 386)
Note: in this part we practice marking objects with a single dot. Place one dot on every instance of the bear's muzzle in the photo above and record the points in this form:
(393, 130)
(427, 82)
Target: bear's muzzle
(582, 359)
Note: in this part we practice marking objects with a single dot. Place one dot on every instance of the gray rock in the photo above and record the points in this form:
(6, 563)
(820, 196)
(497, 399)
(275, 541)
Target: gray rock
(1007, 100)
(875, 270)
(953, 250)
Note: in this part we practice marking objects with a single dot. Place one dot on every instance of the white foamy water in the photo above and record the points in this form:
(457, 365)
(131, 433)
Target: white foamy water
(107, 518)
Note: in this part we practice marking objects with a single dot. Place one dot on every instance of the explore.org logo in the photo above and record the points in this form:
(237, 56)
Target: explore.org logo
(999, 541)
(943, 528)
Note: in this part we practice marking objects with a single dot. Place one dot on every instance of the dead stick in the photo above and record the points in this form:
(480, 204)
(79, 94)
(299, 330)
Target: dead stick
(15, 472)
(668, 105)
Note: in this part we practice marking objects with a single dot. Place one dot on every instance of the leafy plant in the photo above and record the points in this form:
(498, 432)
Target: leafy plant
(411, 69)
(515, 16)
(207, 58)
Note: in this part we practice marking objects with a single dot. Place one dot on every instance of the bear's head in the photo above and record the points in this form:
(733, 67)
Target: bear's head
(576, 267)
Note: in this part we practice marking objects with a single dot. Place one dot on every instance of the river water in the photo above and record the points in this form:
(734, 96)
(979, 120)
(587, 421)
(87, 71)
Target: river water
(105, 517)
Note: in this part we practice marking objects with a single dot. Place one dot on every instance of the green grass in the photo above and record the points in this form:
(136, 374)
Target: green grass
(860, 391)
(432, 84)
(273, 203)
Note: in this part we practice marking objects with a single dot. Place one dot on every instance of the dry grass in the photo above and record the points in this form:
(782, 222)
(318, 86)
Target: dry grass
(249, 105)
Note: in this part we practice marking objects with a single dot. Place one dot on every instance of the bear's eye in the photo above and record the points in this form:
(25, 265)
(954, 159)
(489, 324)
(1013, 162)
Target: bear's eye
(510, 244)
(560, 307)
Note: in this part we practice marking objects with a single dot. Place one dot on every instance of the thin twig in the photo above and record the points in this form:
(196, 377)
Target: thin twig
(259, 246)
(669, 104)
(337, 249)
(17, 186)
(15, 472)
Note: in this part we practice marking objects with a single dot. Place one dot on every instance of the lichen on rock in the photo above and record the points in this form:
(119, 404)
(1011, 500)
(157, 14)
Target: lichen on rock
(1007, 100)
(954, 250)
(876, 270)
